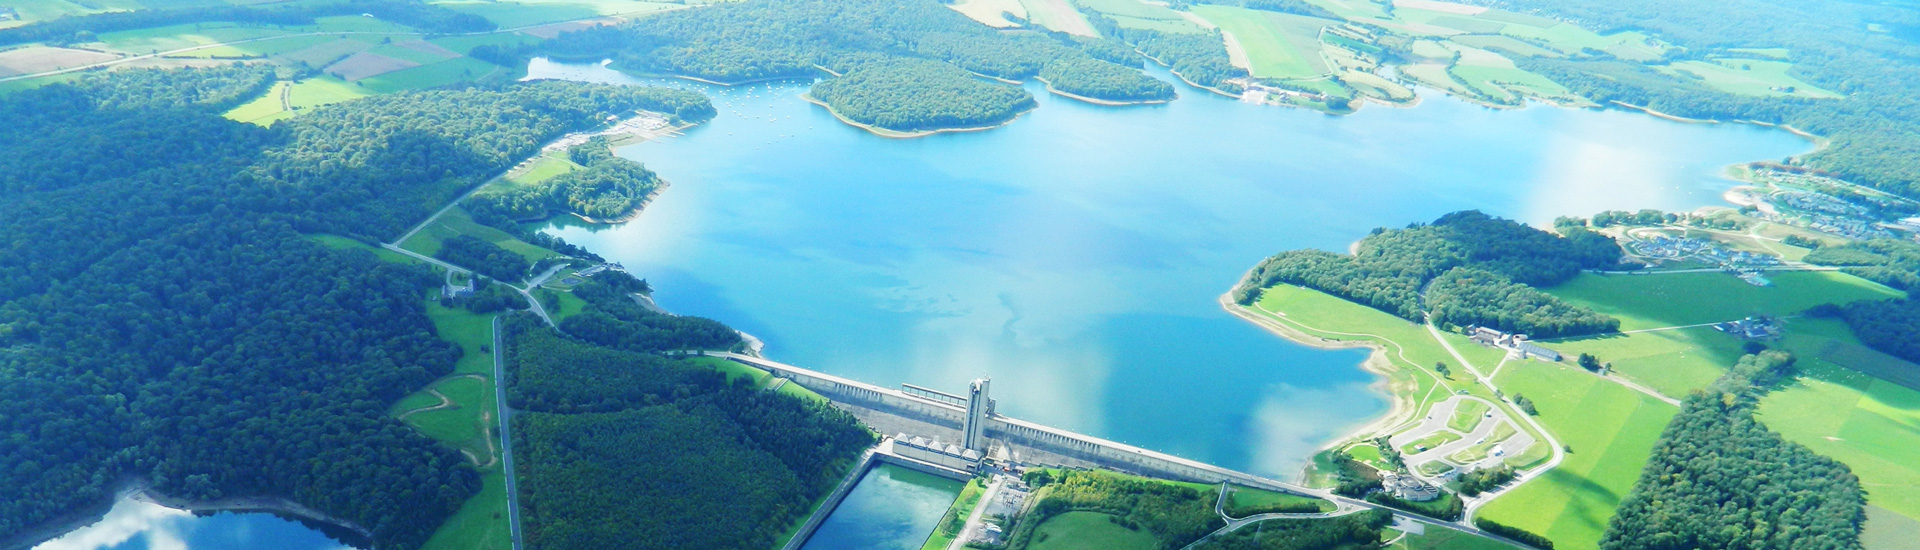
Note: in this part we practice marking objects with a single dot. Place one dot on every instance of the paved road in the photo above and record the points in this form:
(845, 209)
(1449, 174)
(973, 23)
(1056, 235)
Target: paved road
(1553, 445)
(979, 509)
(1437, 420)
(506, 433)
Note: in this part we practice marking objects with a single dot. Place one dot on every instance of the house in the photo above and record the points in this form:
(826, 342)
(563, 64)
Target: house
(1751, 328)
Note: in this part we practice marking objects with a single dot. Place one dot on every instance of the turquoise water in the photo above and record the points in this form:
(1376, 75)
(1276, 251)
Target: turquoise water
(137, 525)
(892, 508)
(1076, 255)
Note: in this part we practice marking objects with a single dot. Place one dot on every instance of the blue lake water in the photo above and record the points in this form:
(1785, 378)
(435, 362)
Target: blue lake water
(138, 525)
(1076, 255)
(892, 508)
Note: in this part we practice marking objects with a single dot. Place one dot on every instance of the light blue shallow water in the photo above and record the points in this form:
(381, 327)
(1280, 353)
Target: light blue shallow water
(892, 508)
(1076, 255)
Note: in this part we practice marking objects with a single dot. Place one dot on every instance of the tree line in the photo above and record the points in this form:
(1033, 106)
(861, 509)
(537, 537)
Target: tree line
(1200, 58)
(1360, 530)
(165, 317)
(1175, 515)
(1466, 268)
(1719, 478)
(635, 450)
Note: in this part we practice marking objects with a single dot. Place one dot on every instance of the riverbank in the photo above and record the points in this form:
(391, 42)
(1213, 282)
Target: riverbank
(1105, 102)
(1401, 406)
(897, 134)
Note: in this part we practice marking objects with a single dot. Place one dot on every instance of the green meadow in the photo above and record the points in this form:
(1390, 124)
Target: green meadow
(1246, 499)
(1679, 299)
(1753, 77)
(1278, 45)
(1081, 530)
(1611, 431)
(458, 222)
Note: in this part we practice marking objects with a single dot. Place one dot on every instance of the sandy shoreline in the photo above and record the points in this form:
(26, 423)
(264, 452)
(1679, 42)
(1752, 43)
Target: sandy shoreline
(1097, 101)
(1400, 405)
(896, 134)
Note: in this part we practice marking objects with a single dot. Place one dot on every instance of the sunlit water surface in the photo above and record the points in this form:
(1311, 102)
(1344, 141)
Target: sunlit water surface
(1076, 255)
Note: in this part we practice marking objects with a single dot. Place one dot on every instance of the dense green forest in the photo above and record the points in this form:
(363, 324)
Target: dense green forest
(1891, 326)
(1891, 262)
(763, 39)
(83, 28)
(1720, 479)
(912, 94)
(1175, 514)
(613, 319)
(1875, 129)
(605, 187)
(1467, 268)
(484, 257)
(164, 317)
(634, 450)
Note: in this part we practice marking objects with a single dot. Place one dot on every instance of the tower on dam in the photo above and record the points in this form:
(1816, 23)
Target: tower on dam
(979, 408)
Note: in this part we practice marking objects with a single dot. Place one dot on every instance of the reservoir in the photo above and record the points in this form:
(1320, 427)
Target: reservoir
(138, 525)
(892, 508)
(1076, 255)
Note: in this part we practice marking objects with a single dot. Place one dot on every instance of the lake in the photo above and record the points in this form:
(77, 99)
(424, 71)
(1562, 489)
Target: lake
(138, 525)
(892, 508)
(1077, 254)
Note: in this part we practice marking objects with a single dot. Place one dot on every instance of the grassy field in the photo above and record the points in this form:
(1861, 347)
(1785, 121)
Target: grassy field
(1467, 416)
(174, 37)
(1432, 440)
(266, 108)
(428, 76)
(1278, 45)
(1495, 76)
(1611, 431)
(523, 13)
(1678, 299)
(1505, 44)
(480, 523)
(1248, 498)
(457, 222)
(1447, 539)
(1089, 531)
(302, 95)
(1135, 14)
(1671, 362)
(570, 305)
(992, 13)
(956, 516)
(542, 168)
(1753, 77)
(336, 241)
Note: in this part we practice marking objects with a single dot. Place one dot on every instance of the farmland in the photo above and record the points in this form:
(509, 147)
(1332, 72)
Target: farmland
(1679, 299)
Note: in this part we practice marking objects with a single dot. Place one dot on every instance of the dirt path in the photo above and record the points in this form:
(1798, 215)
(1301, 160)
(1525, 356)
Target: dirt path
(444, 404)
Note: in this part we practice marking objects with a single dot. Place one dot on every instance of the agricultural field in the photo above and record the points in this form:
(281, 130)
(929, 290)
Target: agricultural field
(1871, 424)
(41, 10)
(1680, 299)
(1503, 43)
(37, 59)
(286, 98)
(1446, 539)
(1672, 362)
(511, 14)
(1754, 77)
(427, 76)
(1610, 430)
(1080, 530)
(1132, 14)
(992, 13)
(1277, 45)
(1495, 76)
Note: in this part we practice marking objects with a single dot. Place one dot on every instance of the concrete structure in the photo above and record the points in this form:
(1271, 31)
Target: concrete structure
(979, 408)
(1409, 488)
(1516, 343)
(891, 410)
(932, 451)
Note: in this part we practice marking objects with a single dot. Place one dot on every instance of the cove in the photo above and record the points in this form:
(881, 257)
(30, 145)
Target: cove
(134, 524)
(892, 508)
(1077, 254)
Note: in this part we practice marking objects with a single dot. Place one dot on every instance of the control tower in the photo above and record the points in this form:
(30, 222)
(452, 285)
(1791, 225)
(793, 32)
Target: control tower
(979, 408)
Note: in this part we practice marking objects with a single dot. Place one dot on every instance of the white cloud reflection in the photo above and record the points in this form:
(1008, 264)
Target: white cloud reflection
(161, 526)
(1291, 423)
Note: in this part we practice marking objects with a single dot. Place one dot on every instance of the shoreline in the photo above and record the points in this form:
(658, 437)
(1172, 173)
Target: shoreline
(1400, 406)
(141, 490)
(1104, 102)
(897, 134)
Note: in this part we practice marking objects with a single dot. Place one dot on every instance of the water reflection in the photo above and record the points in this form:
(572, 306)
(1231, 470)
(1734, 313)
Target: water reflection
(1076, 255)
(134, 524)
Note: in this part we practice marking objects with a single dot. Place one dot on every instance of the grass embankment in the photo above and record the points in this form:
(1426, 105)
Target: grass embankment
(468, 425)
(458, 222)
(1278, 45)
(1679, 299)
(1467, 416)
(1247, 501)
(956, 516)
(1089, 530)
(1431, 441)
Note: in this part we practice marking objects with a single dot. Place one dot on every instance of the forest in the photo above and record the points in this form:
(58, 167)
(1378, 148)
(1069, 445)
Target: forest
(484, 257)
(936, 51)
(1175, 514)
(1466, 268)
(613, 319)
(1721, 479)
(1890, 262)
(1891, 326)
(604, 187)
(82, 28)
(912, 95)
(1358, 530)
(1200, 58)
(634, 450)
(1874, 130)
